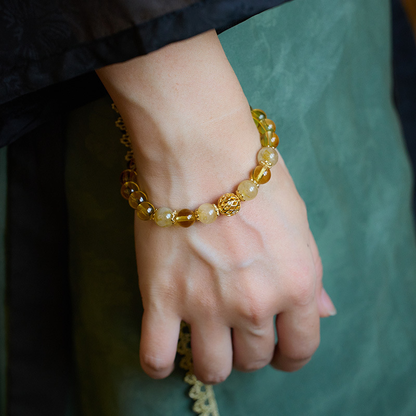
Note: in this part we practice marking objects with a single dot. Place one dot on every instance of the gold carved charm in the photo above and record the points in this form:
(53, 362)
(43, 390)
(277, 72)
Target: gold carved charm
(229, 204)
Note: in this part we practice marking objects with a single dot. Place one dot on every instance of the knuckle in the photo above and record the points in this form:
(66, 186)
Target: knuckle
(155, 367)
(254, 312)
(254, 306)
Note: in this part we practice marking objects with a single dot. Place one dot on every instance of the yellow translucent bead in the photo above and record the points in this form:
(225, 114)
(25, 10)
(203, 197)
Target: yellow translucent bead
(128, 188)
(247, 190)
(163, 217)
(269, 138)
(261, 174)
(258, 114)
(136, 198)
(268, 155)
(207, 213)
(128, 175)
(265, 126)
(145, 210)
(229, 204)
(185, 218)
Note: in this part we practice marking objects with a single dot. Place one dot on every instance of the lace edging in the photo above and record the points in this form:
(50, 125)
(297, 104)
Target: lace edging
(203, 394)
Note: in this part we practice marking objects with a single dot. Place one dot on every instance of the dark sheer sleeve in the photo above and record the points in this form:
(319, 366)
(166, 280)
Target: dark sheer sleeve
(49, 49)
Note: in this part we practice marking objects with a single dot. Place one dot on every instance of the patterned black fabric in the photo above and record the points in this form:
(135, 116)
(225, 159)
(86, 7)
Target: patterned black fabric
(44, 43)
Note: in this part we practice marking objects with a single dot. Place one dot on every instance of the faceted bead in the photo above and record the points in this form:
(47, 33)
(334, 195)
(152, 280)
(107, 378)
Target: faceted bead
(185, 218)
(229, 204)
(163, 217)
(248, 190)
(261, 174)
(145, 210)
(128, 188)
(269, 138)
(207, 213)
(266, 125)
(128, 175)
(268, 155)
(137, 198)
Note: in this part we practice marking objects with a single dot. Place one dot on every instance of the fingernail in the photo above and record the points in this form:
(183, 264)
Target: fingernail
(327, 302)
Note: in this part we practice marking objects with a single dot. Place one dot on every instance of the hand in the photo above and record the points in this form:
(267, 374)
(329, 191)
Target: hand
(235, 273)
(194, 140)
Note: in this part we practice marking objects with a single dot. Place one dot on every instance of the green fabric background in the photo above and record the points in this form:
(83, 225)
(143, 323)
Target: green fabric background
(321, 70)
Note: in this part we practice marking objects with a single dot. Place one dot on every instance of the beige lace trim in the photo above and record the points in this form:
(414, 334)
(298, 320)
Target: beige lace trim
(204, 396)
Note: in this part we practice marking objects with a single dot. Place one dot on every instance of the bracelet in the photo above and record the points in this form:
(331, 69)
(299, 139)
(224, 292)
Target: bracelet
(228, 204)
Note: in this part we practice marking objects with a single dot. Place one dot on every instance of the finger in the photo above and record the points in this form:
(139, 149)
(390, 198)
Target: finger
(298, 337)
(253, 348)
(325, 306)
(158, 343)
(211, 352)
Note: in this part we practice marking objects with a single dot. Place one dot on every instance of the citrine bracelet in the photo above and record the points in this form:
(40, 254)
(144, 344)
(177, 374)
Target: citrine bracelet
(229, 204)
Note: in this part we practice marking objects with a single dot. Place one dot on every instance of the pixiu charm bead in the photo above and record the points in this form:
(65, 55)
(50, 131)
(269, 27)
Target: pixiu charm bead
(229, 204)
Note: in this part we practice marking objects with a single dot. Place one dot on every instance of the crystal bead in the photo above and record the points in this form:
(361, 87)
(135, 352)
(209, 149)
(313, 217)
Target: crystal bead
(145, 210)
(258, 114)
(185, 218)
(261, 174)
(137, 198)
(265, 126)
(248, 190)
(269, 138)
(229, 204)
(128, 175)
(163, 217)
(268, 155)
(207, 213)
(128, 188)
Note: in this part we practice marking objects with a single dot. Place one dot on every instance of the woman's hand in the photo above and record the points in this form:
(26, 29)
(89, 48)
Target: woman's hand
(194, 140)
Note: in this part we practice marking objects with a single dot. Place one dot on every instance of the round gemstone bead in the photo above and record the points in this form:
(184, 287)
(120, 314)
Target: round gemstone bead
(185, 218)
(128, 188)
(229, 204)
(261, 174)
(145, 210)
(128, 175)
(258, 114)
(207, 213)
(268, 155)
(137, 198)
(248, 190)
(266, 125)
(163, 217)
(269, 138)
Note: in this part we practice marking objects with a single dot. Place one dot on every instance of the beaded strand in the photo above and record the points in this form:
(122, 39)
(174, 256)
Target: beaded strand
(228, 204)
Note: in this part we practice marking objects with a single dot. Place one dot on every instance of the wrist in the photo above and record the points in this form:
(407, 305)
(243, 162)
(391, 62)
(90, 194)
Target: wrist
(201, 162)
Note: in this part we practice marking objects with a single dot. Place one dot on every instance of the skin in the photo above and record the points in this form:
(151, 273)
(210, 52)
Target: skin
(194, 139)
